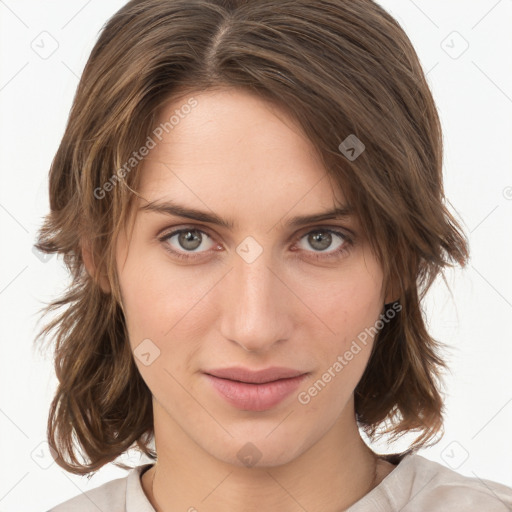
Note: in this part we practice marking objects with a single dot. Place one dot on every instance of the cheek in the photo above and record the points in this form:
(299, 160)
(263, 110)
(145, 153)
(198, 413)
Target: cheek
(157, 295)
(349, 308)
(165, 315)
(347, 302)
(342, 361)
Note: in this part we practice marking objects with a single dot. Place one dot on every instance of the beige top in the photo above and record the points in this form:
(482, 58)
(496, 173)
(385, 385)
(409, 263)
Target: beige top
(415, 485)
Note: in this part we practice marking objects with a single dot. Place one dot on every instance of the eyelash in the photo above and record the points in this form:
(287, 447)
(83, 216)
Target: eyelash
(348, 243)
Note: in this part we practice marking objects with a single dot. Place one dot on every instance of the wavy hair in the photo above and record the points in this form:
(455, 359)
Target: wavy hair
(340, 68)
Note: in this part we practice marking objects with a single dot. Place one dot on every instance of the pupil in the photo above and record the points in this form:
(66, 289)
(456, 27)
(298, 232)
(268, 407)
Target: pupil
(189, 240)
(320, 241)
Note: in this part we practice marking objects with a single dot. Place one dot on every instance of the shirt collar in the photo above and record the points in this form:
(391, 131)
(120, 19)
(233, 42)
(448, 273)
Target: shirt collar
(136, 499)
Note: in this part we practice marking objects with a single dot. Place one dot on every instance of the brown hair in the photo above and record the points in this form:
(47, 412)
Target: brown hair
(339, 67)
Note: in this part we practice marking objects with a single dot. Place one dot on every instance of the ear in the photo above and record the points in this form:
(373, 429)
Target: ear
(88, 258)
(391, 297)
(392, 294)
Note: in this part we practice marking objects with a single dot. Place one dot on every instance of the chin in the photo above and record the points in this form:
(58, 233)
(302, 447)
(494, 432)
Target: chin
(258, 451)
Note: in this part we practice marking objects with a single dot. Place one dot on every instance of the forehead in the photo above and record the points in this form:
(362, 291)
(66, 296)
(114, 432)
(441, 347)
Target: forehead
(236, 155)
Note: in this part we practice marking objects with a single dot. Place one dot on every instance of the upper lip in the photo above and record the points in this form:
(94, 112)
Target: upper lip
(255, 377)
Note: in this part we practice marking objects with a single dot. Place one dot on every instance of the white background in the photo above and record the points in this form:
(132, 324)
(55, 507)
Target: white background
(474, 96)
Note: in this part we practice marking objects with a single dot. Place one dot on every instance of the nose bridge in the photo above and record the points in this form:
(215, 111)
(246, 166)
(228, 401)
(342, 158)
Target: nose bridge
(254, 313)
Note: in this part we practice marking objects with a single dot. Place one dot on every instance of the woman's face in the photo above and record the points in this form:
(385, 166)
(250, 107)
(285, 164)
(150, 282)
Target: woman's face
(257, 291)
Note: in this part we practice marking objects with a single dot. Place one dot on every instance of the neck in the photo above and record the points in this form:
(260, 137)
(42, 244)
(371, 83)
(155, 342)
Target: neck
(330, 476)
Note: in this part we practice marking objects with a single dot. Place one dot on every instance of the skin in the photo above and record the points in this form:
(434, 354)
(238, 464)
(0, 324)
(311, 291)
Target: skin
(236, 155)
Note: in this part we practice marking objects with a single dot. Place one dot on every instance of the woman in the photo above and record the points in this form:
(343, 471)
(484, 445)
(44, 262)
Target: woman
(249, 197)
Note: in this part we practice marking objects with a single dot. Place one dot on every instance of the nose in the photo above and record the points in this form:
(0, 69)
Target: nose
(256, 305)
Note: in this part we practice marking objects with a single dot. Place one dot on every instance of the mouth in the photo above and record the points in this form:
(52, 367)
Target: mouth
(255, 390)
(255, 376)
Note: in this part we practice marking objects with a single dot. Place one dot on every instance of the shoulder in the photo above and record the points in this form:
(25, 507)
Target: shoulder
(110, 496)
(418, 484)
(441, 485)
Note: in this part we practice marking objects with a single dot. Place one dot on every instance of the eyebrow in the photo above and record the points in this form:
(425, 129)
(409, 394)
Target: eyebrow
(175, 209)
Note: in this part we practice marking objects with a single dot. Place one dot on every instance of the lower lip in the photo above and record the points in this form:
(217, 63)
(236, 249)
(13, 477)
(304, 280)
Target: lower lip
(255, 397)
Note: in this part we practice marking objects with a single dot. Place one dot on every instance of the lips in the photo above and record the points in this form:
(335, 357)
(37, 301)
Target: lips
(255, 390)
(255, 377)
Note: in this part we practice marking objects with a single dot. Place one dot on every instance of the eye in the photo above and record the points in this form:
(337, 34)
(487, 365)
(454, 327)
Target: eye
(321, 239)
(188, 240)
(186, 243)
